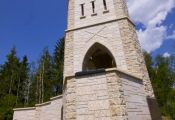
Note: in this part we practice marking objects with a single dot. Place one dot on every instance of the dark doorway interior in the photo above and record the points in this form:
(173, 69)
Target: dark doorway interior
(98, 57)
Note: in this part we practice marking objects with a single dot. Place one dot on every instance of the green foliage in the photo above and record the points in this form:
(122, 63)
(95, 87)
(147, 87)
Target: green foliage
(162, 77)
(45, 70)
(13, 75)
(47, 77)
(58, 66)
(23, 84)
(7, 102)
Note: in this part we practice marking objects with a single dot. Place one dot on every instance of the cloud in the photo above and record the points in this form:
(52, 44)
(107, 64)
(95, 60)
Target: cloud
(151, 38)
(151, 13)
(166, 54)
(146, 11)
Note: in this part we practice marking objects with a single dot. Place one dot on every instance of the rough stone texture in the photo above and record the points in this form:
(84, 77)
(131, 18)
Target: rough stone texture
(70, 22)
(134, 55)
(106, 34)
(92, 98)
(111, 95)
(116, 96)
(89, 18)
(121, 8)
(69, 106)
(135, 97)
(68, 57)
(46, 111)
(28, 114)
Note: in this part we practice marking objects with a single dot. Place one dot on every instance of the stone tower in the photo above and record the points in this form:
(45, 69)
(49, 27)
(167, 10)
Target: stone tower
(105, 76)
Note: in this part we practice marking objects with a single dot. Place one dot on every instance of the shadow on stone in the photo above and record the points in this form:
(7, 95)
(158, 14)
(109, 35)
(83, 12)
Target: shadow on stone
(154, 109)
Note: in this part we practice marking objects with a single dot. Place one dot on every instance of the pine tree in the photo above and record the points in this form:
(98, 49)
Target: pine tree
(58, 66)
(44, 77)
(23, 81)
(8, 86)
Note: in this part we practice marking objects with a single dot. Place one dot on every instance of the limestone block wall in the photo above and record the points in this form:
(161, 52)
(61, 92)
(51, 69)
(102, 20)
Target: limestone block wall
(24, 114)
(68, 54)
(70, 20)
(94, 97)
(105, 96)
(69, 99)
(106, 34)
(121, 10)
(92, 100)
(134, 55)
(135, 97)
(91, 18)
(51, 110)
(116, 9)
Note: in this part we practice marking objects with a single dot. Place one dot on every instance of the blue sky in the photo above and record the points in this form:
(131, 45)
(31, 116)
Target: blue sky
(31, 25)
(168, 45)
(155, 20)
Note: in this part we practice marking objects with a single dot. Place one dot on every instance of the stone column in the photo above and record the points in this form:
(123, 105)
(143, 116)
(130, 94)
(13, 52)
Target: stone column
(116, 97)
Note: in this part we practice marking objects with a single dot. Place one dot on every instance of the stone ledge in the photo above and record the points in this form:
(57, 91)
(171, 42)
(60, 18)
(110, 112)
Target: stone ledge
(21, 109)
(90, 72)
(56, 97)
(43, 104)
(39, 105)
(102, 71)
(106, 71)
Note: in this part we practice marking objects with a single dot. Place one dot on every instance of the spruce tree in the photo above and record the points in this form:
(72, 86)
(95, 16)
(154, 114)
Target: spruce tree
(58, 66)
(8, 86)
(44, 77)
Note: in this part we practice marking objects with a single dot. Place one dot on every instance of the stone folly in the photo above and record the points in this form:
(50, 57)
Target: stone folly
(105, 77)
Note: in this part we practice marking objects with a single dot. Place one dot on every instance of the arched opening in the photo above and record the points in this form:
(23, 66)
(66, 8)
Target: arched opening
(98, 57)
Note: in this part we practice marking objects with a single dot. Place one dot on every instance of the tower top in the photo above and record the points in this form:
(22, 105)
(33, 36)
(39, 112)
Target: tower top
(82, 13)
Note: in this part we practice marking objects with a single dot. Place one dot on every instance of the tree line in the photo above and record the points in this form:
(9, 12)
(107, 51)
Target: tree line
(24, 84)
(162, 74)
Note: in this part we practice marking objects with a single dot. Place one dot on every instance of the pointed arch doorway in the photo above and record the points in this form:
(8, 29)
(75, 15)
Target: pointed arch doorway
(98, 57)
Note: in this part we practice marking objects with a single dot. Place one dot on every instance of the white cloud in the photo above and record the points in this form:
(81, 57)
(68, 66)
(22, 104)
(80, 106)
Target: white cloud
(145, 11)
(151, 38)
(166, 54)
(151, 13)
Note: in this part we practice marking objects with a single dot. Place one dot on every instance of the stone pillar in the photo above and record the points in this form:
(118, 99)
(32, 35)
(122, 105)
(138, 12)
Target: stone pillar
(69, 100)
(133, 54)
(116, 97)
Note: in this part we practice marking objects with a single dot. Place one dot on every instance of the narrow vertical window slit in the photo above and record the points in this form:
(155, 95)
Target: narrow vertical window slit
(93, 6)
(104, 3)
(82, 9)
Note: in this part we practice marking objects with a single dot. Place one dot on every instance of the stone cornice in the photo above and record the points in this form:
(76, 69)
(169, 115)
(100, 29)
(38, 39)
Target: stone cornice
(43, 104)
(107, 71)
